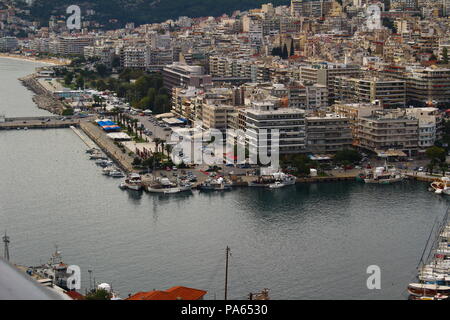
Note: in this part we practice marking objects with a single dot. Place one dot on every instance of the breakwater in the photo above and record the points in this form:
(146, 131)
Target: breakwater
(43, 98)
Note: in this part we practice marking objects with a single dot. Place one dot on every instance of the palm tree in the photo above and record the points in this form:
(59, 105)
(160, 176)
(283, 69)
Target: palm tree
(157, 143)
(163, 142)
(169, 149)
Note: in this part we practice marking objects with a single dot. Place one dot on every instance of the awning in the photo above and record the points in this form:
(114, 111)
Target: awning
(390, 153)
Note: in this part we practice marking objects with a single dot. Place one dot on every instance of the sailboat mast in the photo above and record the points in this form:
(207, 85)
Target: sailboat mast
(227, 252)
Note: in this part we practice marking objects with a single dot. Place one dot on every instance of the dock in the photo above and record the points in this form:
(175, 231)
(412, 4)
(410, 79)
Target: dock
(88, 142)
(95, 133)
(46, 122)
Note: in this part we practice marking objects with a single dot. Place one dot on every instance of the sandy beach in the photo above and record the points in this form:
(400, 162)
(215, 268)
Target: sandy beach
(49, 61)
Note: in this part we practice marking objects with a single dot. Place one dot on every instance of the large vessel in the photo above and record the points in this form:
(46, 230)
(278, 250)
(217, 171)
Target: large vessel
(55, 270)
(383, 175)
(165, 186)
(218, 184)
(132, 182)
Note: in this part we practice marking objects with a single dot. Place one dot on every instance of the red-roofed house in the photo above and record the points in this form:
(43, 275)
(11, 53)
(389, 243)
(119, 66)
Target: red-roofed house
(175, 293)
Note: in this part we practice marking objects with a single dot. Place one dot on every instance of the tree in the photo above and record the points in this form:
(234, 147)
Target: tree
(436, 154)
(68, 78)
(102, 70)
(292, 51)
(445, 55)
(347, 156)
(80, 82)
(99, 294)
(285, 53)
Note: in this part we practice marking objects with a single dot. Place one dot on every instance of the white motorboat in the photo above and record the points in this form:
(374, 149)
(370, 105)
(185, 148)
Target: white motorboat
(116, 173)
(441, 186)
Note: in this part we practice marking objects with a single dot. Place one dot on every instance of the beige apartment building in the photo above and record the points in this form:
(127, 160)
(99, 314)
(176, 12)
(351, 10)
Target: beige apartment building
(328, 133)
(389, 92)
(384, 130)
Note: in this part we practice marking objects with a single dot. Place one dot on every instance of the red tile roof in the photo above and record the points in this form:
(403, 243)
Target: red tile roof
(175, 293)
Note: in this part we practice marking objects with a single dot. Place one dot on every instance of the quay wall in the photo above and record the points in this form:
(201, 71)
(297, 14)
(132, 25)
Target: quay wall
(96, 134)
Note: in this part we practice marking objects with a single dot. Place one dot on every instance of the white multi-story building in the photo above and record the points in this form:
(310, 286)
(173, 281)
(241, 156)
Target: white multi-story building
(264, 117)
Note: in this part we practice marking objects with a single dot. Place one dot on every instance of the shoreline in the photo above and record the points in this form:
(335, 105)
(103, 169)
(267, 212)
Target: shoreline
(48, 61)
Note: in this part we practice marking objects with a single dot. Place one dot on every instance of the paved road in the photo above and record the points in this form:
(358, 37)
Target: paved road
(158, 132)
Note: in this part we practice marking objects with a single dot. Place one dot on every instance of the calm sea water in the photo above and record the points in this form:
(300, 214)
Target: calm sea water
(303, 242)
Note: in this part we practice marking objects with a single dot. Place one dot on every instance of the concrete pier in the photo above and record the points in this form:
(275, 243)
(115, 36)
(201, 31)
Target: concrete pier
(123, 160)
(38, 123)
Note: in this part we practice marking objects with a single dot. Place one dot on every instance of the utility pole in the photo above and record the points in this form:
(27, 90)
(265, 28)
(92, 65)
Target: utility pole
(227, 252)
(6, 251)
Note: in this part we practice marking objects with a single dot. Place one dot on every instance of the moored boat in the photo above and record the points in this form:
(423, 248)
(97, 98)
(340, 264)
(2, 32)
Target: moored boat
(218, 184)
(132, 182)
(441, 186)
(165, 186)
(427, 290)
(383, 175)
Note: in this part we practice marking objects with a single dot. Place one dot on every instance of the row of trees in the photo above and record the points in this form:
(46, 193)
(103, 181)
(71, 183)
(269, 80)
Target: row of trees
(140, 89)
(301, 164)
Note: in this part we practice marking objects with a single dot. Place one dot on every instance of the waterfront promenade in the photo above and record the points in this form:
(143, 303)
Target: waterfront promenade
(123, 160)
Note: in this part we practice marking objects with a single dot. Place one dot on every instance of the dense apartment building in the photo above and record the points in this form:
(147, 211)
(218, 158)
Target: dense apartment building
(309, 97)
(182, 75)
(430, 125)
(264, 117)
(310, 8)
(325, 73)
(72, 45)
(328, 133)
(135, 57)
(389, 92)
(388, 129)
(216, 116)
(424, 85)
(8, 44)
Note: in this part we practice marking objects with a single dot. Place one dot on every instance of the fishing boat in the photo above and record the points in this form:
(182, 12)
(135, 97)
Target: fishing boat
(132, 182)
(441, 186)
(383, 175)
(218, 184)
(273, 181)
(55, 270)
(282, 180)
(165, 186)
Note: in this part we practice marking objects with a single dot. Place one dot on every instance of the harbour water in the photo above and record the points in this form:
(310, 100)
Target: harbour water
(303, 242)
(15, 101)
